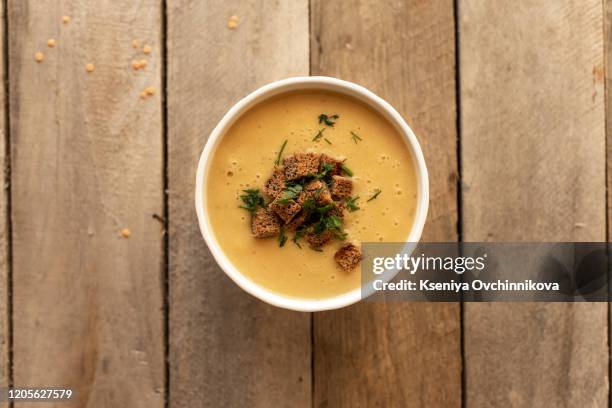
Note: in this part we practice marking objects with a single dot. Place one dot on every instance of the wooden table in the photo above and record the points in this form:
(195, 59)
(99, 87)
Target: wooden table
(507, 98)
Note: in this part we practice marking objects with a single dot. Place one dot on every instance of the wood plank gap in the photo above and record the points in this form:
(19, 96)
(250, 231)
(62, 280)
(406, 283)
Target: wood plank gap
(459, 196)
(166, 253)
(605, 33)
(7, 187)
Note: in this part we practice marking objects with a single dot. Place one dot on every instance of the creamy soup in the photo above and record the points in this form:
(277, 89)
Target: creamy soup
(374, 151)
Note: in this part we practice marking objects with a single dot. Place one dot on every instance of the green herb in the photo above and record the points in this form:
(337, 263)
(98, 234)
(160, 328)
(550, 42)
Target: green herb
(347, 171)
(290, 193)
(282, 238)
(332, 223)
(310, 205)
(318, 135)
(327, 140)
(376, 194)
(326, 168)
(355, 137)
(280, 153)
(329, 120)
(252, 200)
(299, 233)
(318, 249)
(351, 204)
(327, 222)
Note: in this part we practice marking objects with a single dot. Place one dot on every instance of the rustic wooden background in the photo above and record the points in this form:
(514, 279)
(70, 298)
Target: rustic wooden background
(507, 98)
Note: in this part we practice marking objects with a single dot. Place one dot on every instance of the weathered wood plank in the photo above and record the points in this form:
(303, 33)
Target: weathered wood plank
(4, 233)
(87, 161)
(226, 347)
(533, 154)
(395, 354)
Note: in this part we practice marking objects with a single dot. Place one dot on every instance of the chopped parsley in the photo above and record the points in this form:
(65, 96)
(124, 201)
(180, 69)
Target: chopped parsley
(351, 204)
(329, 120)
(355, 137)
(252, 200)
(325, 169)
(327, 140)
(290, 193)
(375, 195)
(280, 153)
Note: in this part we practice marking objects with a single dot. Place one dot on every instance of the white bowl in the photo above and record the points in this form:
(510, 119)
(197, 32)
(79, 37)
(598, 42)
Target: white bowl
(261, 94)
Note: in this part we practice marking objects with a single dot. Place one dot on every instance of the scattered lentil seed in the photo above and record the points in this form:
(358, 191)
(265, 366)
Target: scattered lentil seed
(65, 19)
(89, 67)
(135, 44)
(232, 22)
(143, 95)
(39, 56)
(51, 42)
(136, 65)
(146, 49)
(125, 233)
(143, 63)
(150, 90)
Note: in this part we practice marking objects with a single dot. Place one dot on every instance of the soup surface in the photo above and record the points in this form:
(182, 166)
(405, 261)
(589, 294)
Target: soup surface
(245, 159)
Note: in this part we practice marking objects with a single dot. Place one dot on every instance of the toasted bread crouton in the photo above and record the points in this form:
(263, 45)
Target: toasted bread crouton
(275, 184)
(296, 222)
(286, 211)
(335, 163)
(318, 240)
(301, 165)
(338, 210)
(316, 190)
(265, 223)
(348, 257)
(341, 187)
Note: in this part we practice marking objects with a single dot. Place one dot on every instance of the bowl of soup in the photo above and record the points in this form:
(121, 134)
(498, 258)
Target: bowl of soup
(296, 177)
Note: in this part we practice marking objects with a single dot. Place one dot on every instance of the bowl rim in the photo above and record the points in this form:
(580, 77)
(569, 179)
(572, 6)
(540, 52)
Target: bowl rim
(257, 96)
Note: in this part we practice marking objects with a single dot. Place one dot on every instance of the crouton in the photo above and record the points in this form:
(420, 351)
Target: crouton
(296, 222)
(316, 190)
(335, 163)
(301, 165)
(348, 257)
(317, 240)
(338, 209)
(275, 184)
(265, 223)
(341, 187)
(287, 210)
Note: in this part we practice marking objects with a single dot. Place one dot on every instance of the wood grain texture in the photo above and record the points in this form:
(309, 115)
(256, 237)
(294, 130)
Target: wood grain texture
(226, 347)
(87, 161)
(4, 235)
(395, 354)
(533, 154)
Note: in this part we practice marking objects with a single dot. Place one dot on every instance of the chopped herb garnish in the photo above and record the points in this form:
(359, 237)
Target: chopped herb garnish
(310, 205)
(351, 204)
(290, 193)
(376, 194)
(318, 135)
(326, 168)
(347, 171)
(252, 200)
(355, 137)
(282, 238)
(329, 120)
(280, 153)
(318, 249)
(327, 140)
(299, 233)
